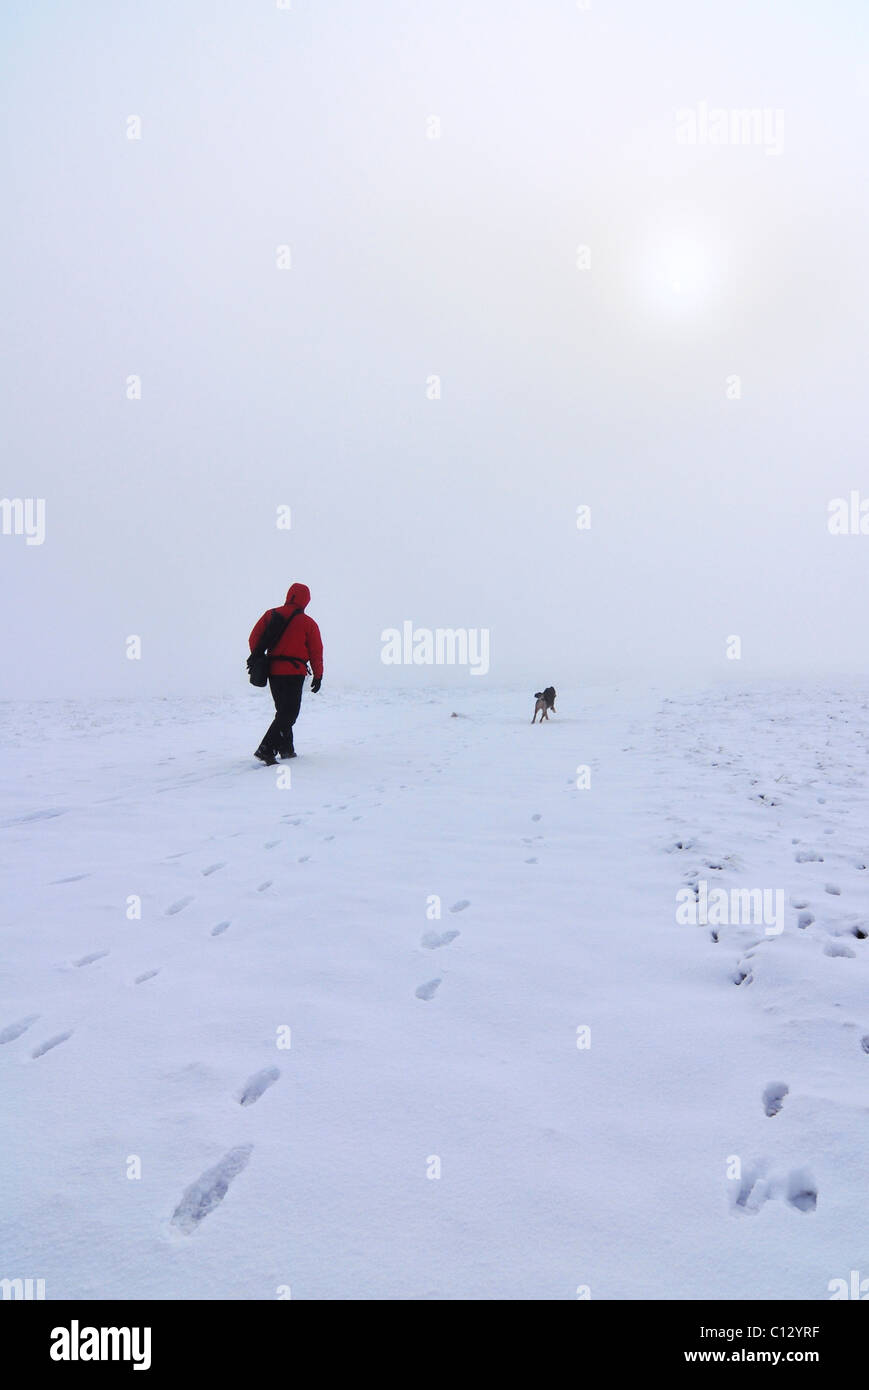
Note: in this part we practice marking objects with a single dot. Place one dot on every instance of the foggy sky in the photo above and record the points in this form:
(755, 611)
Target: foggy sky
(413, 257)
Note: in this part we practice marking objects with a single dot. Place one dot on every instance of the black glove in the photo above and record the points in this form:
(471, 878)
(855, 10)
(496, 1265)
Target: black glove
(316, 683)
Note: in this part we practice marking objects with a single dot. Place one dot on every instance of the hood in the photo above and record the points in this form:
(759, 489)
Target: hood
(298, 596)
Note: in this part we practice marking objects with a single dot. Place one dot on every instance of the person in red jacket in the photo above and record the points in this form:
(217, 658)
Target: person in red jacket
(299, 643)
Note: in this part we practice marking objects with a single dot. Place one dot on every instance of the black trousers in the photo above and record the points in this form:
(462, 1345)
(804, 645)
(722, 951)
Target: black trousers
(287, 695)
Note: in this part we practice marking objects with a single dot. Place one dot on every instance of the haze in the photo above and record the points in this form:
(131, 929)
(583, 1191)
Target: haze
(568, 378)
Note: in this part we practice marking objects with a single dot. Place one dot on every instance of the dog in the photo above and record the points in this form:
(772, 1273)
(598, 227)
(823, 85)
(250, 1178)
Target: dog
(545, 702)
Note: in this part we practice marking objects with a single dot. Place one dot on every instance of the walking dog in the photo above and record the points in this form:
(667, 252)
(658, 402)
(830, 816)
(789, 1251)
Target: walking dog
(545, 702)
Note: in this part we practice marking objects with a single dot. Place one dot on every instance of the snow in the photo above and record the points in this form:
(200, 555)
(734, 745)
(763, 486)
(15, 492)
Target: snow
(709, 1143)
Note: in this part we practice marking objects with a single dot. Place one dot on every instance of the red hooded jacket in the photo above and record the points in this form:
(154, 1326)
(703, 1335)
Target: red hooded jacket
(301, 638)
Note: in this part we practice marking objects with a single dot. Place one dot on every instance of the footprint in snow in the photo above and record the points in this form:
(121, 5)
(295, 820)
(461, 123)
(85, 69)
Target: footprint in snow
(428, 990)
(147, 975)
(433, 939)
(178, 906)
(14, 1030)
(809, 856)
(805, 919)
(537, 816)
(837, 948)
(258, 1083)
(263, 886)
(773, 1097)
(802, 1190)
(209, 1190)
(864, 1041)
(71, 878)
(270, 844)
(530, 861)
(834, 889)
(303, 859)
(50, 1043)
(220, 928)
(753, 1190)
(461, 905)
(89, 960)
(212, 868)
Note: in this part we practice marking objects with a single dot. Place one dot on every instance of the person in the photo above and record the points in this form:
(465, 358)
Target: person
(299, 643)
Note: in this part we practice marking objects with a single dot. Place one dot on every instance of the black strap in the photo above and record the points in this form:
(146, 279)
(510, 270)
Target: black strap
(272, 634)
(298, 659)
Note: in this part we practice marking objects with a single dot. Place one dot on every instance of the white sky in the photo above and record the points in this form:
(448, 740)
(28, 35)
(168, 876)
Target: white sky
(411, 256)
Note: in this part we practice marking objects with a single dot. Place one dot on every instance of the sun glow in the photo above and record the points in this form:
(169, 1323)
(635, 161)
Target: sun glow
(680, 273)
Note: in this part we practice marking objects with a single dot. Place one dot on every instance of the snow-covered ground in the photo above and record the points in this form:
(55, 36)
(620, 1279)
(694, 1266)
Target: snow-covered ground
(710, 1142)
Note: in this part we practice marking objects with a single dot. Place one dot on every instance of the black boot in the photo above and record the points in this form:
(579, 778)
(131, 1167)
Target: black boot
(285, 751)
(265, 755)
